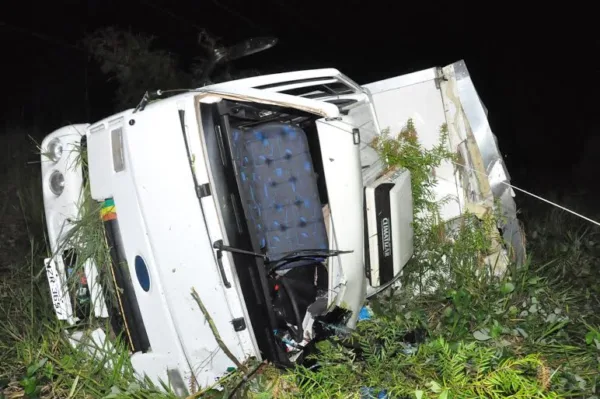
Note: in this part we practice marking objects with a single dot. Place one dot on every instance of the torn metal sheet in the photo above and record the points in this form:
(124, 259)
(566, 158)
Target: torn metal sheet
(484, 175)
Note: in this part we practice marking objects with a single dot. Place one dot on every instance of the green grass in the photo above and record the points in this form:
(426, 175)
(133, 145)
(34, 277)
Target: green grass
(531, 332)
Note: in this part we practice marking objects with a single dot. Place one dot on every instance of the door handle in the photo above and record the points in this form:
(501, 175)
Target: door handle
(222, 269)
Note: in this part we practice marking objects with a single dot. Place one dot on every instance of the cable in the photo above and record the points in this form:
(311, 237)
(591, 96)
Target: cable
(317, 255)
(553, 204)
(299, 333)
(484, 175)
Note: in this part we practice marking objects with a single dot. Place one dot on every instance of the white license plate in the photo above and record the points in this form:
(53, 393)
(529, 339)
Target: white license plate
(58, 288)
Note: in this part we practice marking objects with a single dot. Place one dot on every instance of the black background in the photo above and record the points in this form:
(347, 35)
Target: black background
(534, 65)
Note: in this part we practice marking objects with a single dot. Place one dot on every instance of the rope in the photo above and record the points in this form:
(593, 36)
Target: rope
(579, 215)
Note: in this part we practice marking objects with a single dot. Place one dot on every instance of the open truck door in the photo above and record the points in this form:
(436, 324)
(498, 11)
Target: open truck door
(337, 164)
(445, 100)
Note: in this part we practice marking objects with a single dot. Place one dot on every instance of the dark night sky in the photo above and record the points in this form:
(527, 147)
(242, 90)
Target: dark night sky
(534, 69)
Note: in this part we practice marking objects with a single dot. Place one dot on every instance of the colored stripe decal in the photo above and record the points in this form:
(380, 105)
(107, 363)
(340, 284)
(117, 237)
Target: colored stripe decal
(108, 211)
(109, 216)
(109, 202)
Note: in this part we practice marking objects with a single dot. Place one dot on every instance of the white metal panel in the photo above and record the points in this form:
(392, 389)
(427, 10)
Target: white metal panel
(280, 78)
(362, 118)
(273, 98)
(402, 218)
(60, 209)
(485, 176)
(401, 81)
(96, 294)
(215, 227)
(297, 85)
(99, 149)
(155, 313)
(400, 223)
(153, 365)
(106, 183)
(413, 97)
(341, 163)
(421, 102)
(150, 365)
(183, 257)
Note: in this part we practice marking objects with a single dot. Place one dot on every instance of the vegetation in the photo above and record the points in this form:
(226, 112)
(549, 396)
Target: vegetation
(458, 330)
(137, 65)
(454, 329)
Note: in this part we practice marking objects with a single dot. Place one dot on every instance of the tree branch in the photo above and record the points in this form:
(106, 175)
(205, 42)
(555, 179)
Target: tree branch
(215, 332)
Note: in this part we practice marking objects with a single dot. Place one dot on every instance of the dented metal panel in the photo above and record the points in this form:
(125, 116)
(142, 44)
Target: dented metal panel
(485, 179)
(417, 97)
(265, 97)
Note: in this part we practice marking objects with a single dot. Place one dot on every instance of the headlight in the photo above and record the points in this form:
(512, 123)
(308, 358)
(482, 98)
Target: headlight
(54, 150)
(57, 182)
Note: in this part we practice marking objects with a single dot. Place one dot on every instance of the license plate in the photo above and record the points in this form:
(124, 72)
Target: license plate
(58, 289)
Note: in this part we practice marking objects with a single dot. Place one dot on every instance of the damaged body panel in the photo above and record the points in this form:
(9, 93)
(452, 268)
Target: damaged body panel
(486, 180)
(267, 198)
(478, 181)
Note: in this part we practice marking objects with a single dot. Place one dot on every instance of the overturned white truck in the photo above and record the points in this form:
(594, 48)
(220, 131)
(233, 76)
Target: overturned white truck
(265, 196)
